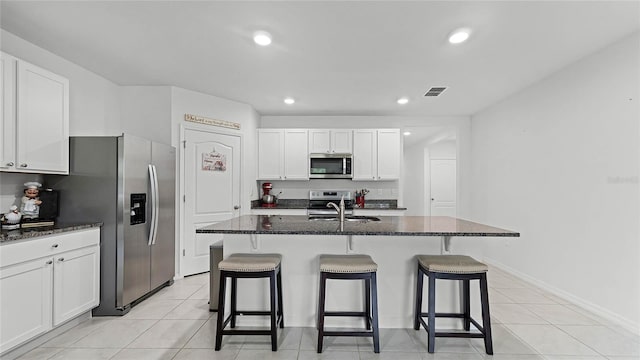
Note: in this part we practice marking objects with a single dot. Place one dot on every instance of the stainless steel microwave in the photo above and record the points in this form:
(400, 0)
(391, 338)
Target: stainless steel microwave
(330, 166)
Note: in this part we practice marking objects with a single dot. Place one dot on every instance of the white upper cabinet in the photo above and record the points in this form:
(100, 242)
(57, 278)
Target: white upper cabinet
(270, 154)
(283, 154)
(7, 111)
(389, 154)
(296, 159)
(365, 145)
(35, 119)
(327, 141)
(376, 154)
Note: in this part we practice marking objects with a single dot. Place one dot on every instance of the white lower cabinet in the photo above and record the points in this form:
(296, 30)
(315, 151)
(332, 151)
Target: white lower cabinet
(25, 301)
(45, 282)
(76, 280)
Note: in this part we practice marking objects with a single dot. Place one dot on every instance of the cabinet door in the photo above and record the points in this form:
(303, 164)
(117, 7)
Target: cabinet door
(7, 111)
(25, 301)
(296, 159)
(42, 120)
(341, 141)
(319, 141)
(76, 279)
(270, 154)
(388, 154)
(364, 155)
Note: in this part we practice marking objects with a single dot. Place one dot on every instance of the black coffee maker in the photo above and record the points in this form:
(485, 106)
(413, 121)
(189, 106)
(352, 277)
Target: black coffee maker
(49, 209)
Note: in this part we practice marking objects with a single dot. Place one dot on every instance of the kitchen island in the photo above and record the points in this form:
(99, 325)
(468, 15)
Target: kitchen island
(392, 242)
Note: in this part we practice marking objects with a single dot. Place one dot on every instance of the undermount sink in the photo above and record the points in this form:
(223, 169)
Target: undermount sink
(346, 218)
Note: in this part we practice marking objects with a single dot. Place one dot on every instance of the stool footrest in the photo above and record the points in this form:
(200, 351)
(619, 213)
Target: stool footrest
(246, 332)
(252, 313)
(346, 313)
(447, 315)
(349, 333)
(460, 334)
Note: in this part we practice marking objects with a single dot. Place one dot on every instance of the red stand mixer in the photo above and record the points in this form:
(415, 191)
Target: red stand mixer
(268, 200)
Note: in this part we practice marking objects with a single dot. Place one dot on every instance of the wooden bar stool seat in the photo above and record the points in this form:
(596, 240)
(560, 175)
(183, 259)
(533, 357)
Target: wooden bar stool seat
(350, 267)
(250, 266)
(453, 267)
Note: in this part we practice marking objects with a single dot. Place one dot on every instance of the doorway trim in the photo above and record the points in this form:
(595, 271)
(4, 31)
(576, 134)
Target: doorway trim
(182, 179)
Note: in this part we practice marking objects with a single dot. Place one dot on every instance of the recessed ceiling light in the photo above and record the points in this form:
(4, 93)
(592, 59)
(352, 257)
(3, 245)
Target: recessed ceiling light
(403, 100)
(289, 100)
(406, 133)
(459, 36)
(262, 38)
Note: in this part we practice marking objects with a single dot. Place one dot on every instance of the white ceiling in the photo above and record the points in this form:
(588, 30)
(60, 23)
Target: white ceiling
(334, 57)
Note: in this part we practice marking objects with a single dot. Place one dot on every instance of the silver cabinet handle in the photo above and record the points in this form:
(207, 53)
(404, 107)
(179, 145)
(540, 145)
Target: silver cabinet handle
(10, 163)
(23, 165)
(54, 246)
(49, 262)
(61, 259)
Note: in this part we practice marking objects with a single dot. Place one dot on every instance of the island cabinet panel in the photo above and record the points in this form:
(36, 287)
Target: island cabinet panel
(35, 119)
(300, 275)
(283, 154)
(46, 281)
(327, 141)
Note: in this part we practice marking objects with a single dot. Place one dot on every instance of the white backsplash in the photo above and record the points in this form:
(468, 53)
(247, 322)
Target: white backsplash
(300, 189)
(12, 188)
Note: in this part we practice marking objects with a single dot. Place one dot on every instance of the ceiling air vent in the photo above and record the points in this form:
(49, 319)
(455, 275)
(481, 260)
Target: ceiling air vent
(436, 91)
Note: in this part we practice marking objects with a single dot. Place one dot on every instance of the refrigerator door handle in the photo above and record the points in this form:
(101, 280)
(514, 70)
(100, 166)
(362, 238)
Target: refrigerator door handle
(156, 205)
(152, 226)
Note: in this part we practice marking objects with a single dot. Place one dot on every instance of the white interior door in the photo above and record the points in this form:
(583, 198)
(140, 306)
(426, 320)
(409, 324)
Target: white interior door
(443, 187)
(211, 192)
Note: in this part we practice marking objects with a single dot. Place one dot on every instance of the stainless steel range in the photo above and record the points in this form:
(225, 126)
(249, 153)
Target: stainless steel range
(318, 200)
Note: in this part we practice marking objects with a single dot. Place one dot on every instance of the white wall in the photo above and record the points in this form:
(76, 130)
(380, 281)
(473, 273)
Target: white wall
(559, 162)
(146, 112)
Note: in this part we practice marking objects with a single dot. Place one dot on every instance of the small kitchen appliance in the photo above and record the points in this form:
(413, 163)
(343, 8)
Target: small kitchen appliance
(318, 200)
(268, 200)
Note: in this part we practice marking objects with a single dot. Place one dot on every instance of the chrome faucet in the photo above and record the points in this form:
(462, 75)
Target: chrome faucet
(339, 209)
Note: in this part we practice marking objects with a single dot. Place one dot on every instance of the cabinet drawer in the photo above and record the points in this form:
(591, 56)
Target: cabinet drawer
(15, 253)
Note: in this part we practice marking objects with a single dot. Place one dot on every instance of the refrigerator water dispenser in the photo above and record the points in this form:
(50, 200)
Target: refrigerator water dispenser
(138, 209)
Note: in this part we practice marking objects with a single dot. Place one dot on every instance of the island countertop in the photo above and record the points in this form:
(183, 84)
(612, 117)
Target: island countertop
(388, 226)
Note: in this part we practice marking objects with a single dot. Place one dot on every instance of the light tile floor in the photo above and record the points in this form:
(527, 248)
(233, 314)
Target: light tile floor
(175, 323)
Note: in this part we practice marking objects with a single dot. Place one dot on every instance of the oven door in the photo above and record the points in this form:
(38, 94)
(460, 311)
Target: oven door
(330, 166)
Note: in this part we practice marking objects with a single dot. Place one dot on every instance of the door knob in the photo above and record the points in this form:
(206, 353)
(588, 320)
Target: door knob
(23, 165)
(10, 163)
(432, 199)
(236, 207)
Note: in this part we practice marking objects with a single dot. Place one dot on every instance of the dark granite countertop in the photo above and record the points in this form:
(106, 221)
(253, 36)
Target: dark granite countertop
(7, 236)
(388, 225)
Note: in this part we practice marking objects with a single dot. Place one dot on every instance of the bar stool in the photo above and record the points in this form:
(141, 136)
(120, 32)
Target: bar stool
(350, 267)
(453, 267)
(250, 266)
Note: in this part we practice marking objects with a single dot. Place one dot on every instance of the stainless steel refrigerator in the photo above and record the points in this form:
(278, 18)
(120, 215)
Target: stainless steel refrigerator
(128, 184)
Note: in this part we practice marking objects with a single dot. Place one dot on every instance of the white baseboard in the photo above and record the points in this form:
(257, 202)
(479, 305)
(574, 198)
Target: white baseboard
(589, 306)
